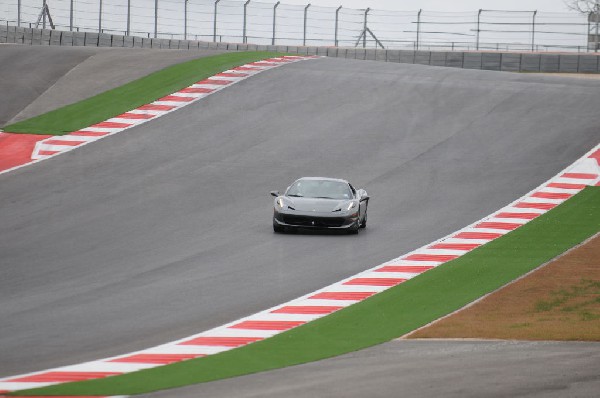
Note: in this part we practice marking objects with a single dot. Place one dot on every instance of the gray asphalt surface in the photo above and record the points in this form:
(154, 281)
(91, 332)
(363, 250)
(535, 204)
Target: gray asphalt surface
(426, 369)
(164, 230)
(40, 79)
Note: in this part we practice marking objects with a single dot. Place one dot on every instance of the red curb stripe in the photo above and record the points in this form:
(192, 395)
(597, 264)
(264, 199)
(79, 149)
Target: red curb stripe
(162, 359)
(524, 216)
(581, 176)
(267, 325)
(498, 225)
(16, 149)
(219, 82)
(89, 133)
(455, 246)
(431, 257)
(596, 155)
(112, 125)
(278, 61)
(153, 107)
(540, 206)
(306, 309)
(224, 74)
(259, 64)
(477, 235)
(375, 281)
(565, 185)
(197, 90)
(65, 143)
(221, 341)
(551, 195)
(247, 68)
(136, 116)
(174, 98)
(356, 296)
(47, 153)
(63, 377)
(410, 269)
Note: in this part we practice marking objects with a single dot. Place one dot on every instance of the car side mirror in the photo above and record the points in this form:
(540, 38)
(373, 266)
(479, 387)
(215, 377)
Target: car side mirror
(275, 193)
(362, 195)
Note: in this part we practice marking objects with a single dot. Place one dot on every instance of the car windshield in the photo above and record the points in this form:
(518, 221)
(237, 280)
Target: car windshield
(325, 189)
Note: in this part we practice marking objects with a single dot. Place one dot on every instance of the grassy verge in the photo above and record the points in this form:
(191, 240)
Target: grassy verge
(560, 301)
(382, 317)
(132, 95)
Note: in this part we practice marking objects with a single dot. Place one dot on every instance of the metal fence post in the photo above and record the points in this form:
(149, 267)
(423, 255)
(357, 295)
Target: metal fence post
(19, 13)
(533, 31)
(100, 18)
(274, 18)
(305, 14)
(185, 13)
(478, 30)
(44, 5)
(71, 16)
(365, 28)
(128, 17)
(215, 22)
(589, 29)
(244, 38)
(337, 12)
(419, 27)
(597, 10)
(155, 18)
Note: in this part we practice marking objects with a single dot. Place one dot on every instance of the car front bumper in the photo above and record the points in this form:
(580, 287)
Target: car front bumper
(315, 220)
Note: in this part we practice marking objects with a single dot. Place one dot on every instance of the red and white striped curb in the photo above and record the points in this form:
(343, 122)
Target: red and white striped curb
(584, 172)
(56, 145)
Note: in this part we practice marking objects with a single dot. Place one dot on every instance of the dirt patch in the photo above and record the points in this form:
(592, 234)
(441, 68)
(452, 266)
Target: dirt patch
(560, 301)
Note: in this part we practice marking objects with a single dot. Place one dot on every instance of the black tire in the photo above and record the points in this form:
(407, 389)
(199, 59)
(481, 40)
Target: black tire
(363, 224)
(278, 228)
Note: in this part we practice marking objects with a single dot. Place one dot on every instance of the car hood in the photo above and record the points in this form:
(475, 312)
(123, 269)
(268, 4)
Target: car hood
(315, 204)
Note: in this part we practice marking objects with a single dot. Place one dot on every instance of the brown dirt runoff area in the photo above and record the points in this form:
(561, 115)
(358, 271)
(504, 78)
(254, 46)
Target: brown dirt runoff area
(559, 301)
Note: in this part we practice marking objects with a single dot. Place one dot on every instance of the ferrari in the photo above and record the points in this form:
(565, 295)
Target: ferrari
(320, 203)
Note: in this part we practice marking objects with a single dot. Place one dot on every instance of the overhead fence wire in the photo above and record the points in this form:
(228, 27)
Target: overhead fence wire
(260, 22)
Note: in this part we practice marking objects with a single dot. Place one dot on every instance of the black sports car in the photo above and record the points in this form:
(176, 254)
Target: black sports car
(320, 203)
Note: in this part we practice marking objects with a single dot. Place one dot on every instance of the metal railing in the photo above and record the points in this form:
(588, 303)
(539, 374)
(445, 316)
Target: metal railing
(258, 22)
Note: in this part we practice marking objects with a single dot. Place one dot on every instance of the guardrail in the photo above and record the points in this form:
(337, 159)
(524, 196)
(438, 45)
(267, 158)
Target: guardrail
(499, 61)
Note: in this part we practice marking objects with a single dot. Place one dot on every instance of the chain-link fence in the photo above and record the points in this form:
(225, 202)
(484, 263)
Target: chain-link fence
(278, 23)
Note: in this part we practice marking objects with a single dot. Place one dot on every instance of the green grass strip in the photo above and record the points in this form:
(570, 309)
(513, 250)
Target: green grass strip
(382, 317)
(132, 95)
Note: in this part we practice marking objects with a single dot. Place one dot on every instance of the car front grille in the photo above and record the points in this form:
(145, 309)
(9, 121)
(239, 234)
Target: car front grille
(307, 221)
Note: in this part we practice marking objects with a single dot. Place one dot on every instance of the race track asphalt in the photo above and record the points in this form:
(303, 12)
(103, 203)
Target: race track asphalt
(164, 230)
(39, 79)
(426, 369)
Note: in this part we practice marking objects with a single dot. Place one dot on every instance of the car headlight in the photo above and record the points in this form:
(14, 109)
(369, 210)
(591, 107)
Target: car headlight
(281, 204)
(351, 206)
